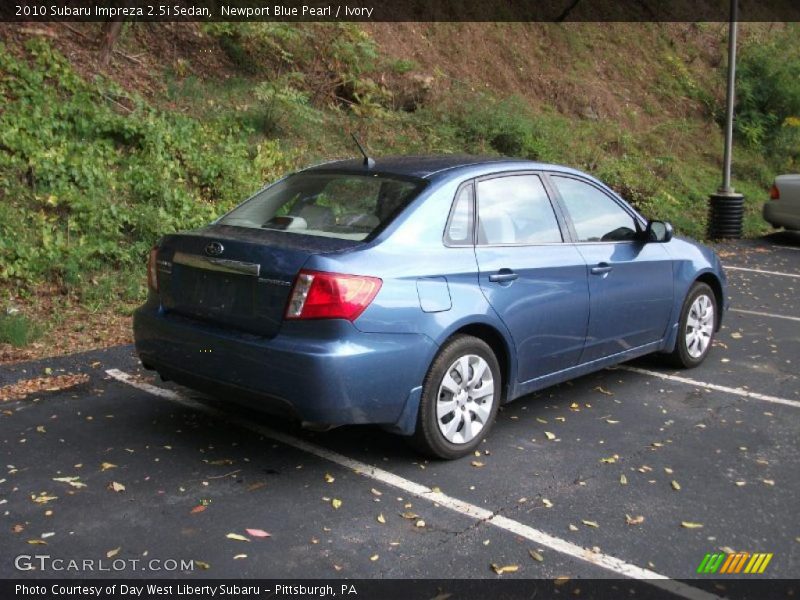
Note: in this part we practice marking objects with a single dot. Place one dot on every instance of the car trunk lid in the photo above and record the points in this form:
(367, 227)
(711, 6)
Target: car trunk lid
(237, 277)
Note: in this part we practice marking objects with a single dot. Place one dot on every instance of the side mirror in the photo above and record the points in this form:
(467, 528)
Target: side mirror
(658, 231)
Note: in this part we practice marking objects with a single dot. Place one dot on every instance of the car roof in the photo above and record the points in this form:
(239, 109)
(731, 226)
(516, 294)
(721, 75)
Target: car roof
(428, 166)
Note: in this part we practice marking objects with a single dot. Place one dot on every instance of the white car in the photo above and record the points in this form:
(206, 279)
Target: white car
(783, 209)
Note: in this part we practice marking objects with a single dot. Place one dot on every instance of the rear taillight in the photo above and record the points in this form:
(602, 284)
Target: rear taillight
(152, 270)
(774, 193)
(321, 295)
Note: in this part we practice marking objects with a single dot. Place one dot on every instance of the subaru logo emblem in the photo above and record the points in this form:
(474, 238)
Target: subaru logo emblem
(215, 249)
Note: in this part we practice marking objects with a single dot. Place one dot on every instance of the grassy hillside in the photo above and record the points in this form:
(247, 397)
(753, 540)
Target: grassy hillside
(96, 164)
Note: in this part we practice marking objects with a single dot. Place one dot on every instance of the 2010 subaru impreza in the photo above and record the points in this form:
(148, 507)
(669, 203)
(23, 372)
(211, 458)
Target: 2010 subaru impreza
(421, 293)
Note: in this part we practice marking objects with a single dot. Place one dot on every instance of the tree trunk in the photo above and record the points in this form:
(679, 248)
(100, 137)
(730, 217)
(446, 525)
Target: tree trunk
(111, 31)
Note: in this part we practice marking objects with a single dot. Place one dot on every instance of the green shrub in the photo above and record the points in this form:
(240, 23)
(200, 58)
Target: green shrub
(18, 330)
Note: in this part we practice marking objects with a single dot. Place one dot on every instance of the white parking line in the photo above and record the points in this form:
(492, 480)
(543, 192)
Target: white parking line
(763, 314)
(478, 513)
(729, 268)
(712, 386)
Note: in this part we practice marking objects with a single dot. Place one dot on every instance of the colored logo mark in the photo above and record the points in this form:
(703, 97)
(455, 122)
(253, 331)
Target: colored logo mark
(738, 562)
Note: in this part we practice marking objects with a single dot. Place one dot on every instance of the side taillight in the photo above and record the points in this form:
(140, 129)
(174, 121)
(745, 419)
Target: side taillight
(152, 269)
(774, 193)
(323, 295)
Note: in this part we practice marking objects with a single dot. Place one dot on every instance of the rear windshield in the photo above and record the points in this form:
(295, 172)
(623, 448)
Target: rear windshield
(336, 205)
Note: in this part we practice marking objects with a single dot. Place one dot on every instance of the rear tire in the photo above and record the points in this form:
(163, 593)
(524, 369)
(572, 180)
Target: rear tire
(460, 398)
(696, 327)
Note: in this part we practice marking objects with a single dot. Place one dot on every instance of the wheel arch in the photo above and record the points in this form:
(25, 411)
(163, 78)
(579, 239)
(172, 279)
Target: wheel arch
(712, 281)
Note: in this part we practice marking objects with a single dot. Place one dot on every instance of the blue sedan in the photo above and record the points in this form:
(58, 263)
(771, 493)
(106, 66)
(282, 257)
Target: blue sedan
(421, 293)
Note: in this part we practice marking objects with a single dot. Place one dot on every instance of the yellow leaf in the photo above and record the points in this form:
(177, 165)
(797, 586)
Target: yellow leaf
(44, 499)
(634, 520)
(113, 553)
(572, 527)
(381, 519)
(436, 489)
(477, 463)
(374, 557)
(40, 428)
(239, 556)
(549, 435)
(202, 564)
(736, 335)
(547, 503)
(690, 525)
(237, 537)
(409, 515)
(561, 580)
(741, 483)
(329, 478)
(675, 485)
(610, 422)
(37, 542)
(73, 481)
(107, 465)
(623, 480)
(602, 390)
(420, 523)
(768, 481)
(536, 556)
(376, 492)
(609, 460)
(589, 523)
(336, 503)
(116, 487)
(542, 421)
(505, 569)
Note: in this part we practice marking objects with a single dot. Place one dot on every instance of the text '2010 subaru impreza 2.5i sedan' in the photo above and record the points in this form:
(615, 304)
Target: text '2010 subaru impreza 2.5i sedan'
(421, 293)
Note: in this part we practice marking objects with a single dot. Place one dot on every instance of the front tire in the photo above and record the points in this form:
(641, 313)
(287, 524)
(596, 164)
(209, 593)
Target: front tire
(696, 328)
(460, 398)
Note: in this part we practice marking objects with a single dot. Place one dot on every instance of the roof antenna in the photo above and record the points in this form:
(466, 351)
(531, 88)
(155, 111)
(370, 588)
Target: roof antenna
(368, 162)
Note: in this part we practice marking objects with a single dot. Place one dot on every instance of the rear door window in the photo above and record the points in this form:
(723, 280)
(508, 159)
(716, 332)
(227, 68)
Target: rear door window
(515, 209)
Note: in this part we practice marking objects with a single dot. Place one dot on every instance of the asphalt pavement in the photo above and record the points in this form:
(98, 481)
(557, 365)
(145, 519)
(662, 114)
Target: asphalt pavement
(630, 472)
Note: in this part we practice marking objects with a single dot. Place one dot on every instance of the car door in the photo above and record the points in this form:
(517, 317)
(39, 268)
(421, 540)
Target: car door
(630, 282)
(536, 283)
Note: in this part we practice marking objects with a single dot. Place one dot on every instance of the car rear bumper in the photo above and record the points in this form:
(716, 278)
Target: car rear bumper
(781, 216)
(321, 372)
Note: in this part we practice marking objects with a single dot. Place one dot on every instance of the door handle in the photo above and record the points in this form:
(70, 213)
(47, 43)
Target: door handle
(503, 276)
(601, 269)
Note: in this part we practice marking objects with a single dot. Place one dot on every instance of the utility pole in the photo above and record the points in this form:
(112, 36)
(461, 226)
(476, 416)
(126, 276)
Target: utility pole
(726, 207)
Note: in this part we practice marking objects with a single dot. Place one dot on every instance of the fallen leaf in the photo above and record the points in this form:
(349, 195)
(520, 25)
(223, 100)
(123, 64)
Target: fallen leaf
(374, 557)
(420, 523)
(542, 421)
(198, 509)
(237, 537)
(505, 569)
(690, 525)
(741, 483)
(675, 485)
(116, 487)
(113, 553)
(768, 481)
(623, 480)
(572, 527)
(44, 499)
(202, 564)
(336, 503)
(561, 580)
(239, 556)
(477, 463)
(549, 435)
(602, 390)
(40, 429)
(73, 481)
(634, 520)
(329, 478)
(610, 459)
(376, 492)
(736, 335)
(48, 534)
(259, 533)
(381, 519)
(409, 515)
(589, 523)
(610, 422)
(107, 465)
(536, 556)
(18, 528)
(547, 503)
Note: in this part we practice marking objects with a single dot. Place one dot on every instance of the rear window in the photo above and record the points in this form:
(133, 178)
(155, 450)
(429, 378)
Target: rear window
(338, 205)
